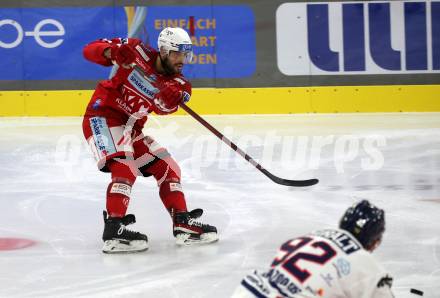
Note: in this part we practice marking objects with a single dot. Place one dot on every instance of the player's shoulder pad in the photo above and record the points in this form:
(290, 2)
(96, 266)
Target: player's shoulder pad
(149, 48)
(121, 40)
(131, 40)
(182, 81)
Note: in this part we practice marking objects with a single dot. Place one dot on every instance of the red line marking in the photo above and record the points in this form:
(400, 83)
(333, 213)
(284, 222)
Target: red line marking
(192, 28)
(15, 243)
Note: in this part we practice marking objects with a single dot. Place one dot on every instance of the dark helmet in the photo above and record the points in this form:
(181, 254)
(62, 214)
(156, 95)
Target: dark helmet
(364, 221)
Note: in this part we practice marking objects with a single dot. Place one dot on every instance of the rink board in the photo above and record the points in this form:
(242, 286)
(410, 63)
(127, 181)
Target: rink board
(283, 100)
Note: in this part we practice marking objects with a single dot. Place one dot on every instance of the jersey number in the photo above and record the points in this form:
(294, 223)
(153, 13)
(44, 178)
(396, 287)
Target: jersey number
(291, 256)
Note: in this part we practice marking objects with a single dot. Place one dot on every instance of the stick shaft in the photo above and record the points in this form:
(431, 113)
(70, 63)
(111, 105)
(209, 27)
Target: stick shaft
(276, 179)
(221, 136)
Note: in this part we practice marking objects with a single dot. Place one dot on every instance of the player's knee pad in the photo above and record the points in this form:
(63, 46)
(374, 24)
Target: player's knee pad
(122, 172)
(164, 170)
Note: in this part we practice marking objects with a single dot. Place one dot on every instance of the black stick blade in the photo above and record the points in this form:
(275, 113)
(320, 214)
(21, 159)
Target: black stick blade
(287, 182)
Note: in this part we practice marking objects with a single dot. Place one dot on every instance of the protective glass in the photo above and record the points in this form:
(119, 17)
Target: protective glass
(187, 51)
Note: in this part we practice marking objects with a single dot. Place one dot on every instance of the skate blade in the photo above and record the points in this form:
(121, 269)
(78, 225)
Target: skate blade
(117, 246)
(185, 240)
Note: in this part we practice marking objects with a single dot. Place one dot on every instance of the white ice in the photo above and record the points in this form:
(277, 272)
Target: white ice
(51, 192)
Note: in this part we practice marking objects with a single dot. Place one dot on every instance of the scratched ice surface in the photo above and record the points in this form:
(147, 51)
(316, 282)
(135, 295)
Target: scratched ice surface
(52, 193)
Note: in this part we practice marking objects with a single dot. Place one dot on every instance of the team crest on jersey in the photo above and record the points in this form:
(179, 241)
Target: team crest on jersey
(342, 266)
(132, 103)
(96, 104)
(186, 96)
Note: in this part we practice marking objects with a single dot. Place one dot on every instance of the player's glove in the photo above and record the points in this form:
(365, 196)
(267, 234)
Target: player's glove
(123, 55)
(171, 95)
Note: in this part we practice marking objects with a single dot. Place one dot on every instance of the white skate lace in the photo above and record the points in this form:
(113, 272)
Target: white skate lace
(193, 222)
(123, 228)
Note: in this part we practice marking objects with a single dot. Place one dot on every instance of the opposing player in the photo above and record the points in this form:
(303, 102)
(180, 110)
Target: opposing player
(113, 125)
(327, 263)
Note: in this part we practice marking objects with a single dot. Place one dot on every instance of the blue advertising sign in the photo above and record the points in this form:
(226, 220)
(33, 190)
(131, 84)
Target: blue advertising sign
(47, 43)
(223, 37)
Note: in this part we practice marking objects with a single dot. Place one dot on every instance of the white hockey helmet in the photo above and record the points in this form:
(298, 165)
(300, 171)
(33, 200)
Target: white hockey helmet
(175, 39)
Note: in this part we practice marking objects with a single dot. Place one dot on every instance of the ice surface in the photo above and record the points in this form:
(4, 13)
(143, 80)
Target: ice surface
(52, 193)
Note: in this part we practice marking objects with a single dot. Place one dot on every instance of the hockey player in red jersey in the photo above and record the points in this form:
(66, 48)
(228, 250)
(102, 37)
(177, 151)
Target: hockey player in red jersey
(113, 124)
(330, 263)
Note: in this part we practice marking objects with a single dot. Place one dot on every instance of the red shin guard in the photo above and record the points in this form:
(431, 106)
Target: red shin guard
(167, 173)
(172, 196)
(118, 191)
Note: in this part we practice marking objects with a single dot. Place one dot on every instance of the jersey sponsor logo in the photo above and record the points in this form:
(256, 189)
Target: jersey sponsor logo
(340, 239)
(123, 105)
(133, 104)
(142, 85)
(102, 137)
(185, 47)
(174, 186)
(15, 33)
(281, 282)
(121, 188)
(388, 37)
(256, 284)
(342, 266)
(327, 278)
(142, 53)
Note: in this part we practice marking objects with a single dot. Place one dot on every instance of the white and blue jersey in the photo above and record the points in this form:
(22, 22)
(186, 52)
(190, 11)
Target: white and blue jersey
(327, 263)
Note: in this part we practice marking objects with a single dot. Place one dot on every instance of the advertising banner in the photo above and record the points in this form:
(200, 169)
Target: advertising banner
(47, 43)
(223, 37)
(344, 38)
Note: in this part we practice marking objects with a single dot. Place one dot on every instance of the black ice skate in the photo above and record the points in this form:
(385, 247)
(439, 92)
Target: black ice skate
(118, 239)
(188, 231)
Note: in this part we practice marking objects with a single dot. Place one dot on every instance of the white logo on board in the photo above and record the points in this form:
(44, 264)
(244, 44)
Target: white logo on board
(37, 33)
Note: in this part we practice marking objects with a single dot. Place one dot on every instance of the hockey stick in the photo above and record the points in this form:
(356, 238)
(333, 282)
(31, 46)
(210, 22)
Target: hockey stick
(246, 156)
(278, 180)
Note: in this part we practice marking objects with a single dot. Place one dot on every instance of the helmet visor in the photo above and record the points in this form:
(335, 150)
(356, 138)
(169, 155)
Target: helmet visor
(187, 51)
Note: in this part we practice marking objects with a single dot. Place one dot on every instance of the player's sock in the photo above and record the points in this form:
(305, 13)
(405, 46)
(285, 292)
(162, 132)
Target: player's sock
(172, 196)
(118, 191)
(118, 197)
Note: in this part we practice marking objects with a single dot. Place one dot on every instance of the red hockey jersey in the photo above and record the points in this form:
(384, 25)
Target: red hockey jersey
(130, 94)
